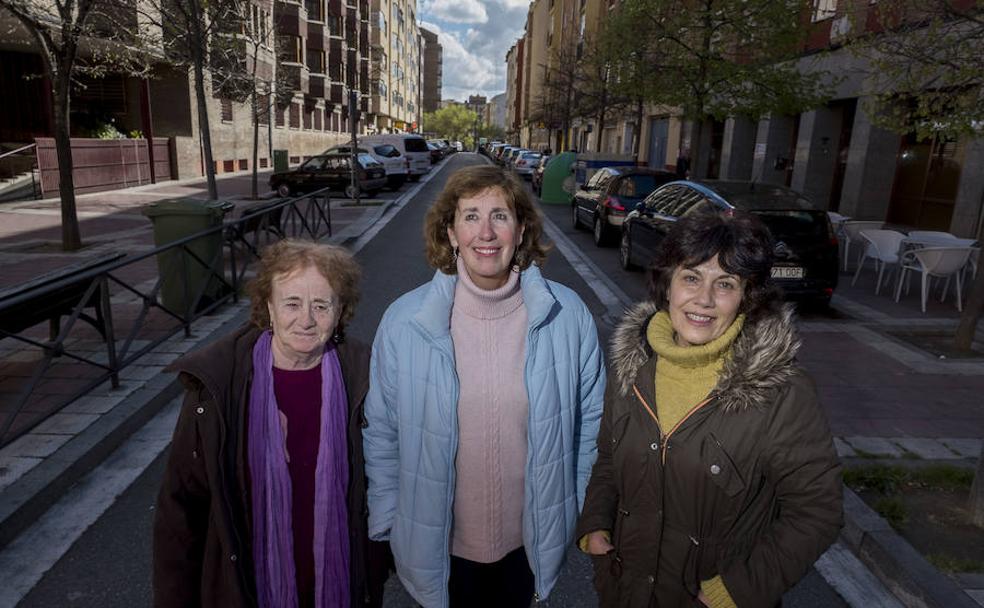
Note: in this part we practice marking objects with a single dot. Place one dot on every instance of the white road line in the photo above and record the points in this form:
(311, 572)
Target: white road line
(26, 560)
(608, 293)
(852, 579)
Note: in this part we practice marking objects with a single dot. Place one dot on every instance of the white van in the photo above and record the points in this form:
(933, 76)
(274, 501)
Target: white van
(413, 146)
(396, 164)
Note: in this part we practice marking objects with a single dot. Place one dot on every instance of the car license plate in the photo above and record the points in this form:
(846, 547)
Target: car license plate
(787, 272)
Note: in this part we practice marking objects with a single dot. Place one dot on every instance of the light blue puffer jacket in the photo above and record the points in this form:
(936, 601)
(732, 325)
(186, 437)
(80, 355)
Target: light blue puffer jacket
(412, 434)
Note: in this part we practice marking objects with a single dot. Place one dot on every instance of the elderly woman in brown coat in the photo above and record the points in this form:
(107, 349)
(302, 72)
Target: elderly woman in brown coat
(716, 483)
(263, 498)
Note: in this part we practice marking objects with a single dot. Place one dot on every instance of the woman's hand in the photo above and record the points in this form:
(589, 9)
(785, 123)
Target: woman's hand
(598, 543)
(702, 598)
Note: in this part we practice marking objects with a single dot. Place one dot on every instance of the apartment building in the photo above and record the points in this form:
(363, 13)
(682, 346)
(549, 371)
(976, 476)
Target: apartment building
(433, 71)
(396, 67)
(311, 54)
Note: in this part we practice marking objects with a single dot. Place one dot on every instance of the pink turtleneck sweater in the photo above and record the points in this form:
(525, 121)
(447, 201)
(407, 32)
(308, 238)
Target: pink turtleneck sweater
(489, 330)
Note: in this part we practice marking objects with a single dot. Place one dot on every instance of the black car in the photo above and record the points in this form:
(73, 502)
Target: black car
(805, 244)
(331, 171)
(609, 195)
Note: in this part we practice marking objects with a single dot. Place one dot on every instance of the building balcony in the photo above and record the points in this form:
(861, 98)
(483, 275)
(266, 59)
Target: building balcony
(336, 93)
(296, 76)
(290, 19)
(379, 105)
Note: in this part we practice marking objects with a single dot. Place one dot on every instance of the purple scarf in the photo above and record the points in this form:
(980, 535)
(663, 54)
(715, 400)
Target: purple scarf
(273, 541)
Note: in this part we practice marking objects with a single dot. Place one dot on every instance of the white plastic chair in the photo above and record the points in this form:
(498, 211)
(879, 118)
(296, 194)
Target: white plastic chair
(882, 247)
(851, 231)
(935, 262)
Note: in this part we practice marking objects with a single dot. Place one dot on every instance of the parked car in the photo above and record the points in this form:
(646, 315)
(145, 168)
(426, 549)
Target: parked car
(513, 155)
(525, 163)
(331, 171)
(413, 146)
(605, 199)
(397, 165)
(805, 244)
(435, 153)
(442, 147)
(458, 146)
(536, 178)
(503, 153)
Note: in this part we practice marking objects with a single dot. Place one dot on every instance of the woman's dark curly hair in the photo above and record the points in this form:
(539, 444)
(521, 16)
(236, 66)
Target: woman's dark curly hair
(472, 181)
(744, 248)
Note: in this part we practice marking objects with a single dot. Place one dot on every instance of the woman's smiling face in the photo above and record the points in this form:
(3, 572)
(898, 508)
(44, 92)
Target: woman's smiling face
(486, 233)
(703, 302)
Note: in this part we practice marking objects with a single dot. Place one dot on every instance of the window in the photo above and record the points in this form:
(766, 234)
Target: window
(823, 9)
(382, 23)
(226, 107)
(280, 117)
(316, 61)
(263, 109)
(295, 116)
(291, 48)
(307, 120)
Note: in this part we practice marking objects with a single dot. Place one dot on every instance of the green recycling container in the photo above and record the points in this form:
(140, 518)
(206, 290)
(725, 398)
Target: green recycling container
(558, 179)
(184, 276)
(280, 161)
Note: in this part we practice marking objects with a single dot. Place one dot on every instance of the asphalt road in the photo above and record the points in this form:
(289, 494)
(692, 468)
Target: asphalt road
(109, 566)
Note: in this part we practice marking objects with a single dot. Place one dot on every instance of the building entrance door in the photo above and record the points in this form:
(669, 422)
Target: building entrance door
(659, 133)
(927, 174)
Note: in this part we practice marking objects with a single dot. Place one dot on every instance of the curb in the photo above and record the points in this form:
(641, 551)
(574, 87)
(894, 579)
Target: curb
(906, 573)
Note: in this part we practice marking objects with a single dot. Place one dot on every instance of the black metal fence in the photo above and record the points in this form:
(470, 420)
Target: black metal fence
(195, 276)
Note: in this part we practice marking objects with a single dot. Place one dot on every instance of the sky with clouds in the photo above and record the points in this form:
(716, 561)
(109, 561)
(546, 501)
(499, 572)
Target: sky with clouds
(475, 36)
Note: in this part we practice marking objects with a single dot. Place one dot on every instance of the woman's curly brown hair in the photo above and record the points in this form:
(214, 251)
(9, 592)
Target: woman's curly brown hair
(472, 181)
(335, 264)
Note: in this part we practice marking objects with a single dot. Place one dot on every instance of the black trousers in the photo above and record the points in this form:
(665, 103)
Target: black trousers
(507, 583)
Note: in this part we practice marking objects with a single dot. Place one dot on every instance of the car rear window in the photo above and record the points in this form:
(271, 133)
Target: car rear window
(793, 225)
(415, 144)
(386, 150)
(637, 186)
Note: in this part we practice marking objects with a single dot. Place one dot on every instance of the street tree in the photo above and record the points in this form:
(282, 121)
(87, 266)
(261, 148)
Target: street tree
(454, 122)
(718, 58)
(207, 38)
(927, 75)
(555, 106)
(74, 38)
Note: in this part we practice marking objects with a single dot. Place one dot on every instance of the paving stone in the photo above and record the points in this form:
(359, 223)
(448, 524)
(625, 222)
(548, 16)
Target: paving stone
(930, 449)
(976, 594)
(106, 389)
(140, 372)
(843, 449)
(968, 448)
(876, 446)
(35, 445)
(92, 405)
(66, 424)
(13, 468)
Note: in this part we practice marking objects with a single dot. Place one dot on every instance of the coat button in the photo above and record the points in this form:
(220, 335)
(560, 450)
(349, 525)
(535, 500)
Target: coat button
(232, 557)
(715, 469)
(654, 445)
(200, 410)
(194, 453)
(651, 579)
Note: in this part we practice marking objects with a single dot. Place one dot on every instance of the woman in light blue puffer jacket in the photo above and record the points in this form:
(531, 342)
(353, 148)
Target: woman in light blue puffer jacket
(486, 390)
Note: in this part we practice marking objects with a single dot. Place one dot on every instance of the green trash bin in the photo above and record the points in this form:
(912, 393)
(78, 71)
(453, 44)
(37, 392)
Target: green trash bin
(558, 179)
(183, 275)
(280, 161)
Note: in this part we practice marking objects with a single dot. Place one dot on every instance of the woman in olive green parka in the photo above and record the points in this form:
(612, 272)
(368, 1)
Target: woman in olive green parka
(717, 483)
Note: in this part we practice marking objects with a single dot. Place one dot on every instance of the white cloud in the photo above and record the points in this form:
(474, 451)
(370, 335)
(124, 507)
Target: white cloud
(475, 55)
(458, 11)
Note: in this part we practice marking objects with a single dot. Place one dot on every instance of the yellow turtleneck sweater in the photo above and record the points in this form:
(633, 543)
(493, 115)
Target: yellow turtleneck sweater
(685, 376)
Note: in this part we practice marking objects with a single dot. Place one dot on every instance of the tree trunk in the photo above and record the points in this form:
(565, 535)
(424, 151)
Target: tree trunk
(977, 493)
(601, 118)
(199, 68)
(254, 189)
(71, 237)
(971, 312)
(696, 150)
(638, 142)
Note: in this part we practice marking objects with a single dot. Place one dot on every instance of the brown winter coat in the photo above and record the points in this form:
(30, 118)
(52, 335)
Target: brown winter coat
(202, 538)
(746, 487)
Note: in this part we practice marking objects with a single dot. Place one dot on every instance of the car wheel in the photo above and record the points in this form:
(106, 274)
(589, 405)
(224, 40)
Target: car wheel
(575, 222)
(284, 190)
(414, 178)
(351, 191)
(600, 232)
(625, 251)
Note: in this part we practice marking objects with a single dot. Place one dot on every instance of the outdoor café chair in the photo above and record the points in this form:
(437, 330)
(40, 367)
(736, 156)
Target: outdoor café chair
(851, 231)
(942, 262)
(882, 247)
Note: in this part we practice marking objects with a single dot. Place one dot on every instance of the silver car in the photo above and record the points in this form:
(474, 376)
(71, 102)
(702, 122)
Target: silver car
(525, 163)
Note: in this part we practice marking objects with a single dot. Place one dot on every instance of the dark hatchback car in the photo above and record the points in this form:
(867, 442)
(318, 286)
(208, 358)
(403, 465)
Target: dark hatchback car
(805, 245)
(611, 193)
(331, 171)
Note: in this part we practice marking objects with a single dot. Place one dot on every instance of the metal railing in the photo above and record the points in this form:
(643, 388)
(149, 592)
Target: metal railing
(22, 160)
(142, 313)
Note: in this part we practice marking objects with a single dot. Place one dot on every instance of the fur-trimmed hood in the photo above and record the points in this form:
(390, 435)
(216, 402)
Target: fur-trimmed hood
(762, 357)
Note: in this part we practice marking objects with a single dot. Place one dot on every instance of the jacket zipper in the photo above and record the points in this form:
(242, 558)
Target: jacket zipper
(452, 476)
(664, 437)
(537, 579)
